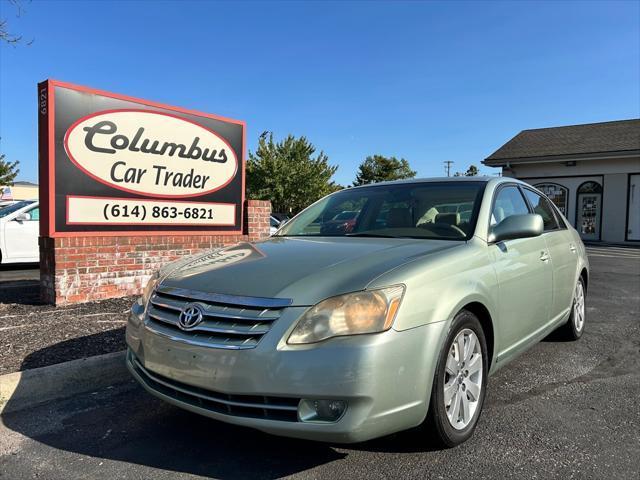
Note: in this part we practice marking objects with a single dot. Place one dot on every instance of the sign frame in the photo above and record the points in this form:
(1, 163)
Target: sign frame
(47, 160)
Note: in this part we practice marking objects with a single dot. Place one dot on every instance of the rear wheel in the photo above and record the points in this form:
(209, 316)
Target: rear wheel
(459, 385)
(573, 329)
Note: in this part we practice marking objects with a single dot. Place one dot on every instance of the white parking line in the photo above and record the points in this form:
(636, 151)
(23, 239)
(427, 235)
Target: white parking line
(613, 252)
(615, 249)
(612, 256)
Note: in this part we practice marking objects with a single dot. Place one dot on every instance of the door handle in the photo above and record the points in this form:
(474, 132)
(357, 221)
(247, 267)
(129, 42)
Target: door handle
(544, 256)
(573, 248)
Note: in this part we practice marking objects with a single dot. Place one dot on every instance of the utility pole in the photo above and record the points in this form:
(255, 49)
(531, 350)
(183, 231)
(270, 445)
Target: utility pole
(447, 167)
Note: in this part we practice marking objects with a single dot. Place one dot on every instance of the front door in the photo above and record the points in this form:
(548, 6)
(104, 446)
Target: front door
(633, 222)
(525, 278)
(588, 218)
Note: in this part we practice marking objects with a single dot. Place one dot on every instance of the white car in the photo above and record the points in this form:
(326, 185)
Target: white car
(19, 229)
(274, 224)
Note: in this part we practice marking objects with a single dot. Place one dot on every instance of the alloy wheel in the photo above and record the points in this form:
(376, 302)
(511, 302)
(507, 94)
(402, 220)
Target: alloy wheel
(463, 379)
(578, 307)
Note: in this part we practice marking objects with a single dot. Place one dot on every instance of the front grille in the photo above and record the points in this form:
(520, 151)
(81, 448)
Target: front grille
(252, 406)
(228, 321)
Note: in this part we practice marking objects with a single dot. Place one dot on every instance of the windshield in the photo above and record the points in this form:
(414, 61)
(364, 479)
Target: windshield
(4, 211)
(434, 210)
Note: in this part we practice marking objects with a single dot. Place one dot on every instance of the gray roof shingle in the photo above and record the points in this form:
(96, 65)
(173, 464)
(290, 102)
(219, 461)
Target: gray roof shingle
(618, 136)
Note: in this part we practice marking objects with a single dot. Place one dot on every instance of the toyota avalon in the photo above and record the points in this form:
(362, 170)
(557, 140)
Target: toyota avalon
(347, 334)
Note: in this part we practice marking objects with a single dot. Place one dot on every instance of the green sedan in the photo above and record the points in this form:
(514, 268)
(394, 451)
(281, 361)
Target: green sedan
(343, 331)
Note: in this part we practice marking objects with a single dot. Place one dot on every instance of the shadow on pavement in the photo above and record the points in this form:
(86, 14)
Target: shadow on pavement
(20, 283)
(557, 336)
(21, 268)
(23, 292)
(75, 348)
(126, 424)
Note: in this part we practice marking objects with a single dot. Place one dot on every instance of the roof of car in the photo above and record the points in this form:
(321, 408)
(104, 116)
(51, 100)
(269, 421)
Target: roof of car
(477, 178)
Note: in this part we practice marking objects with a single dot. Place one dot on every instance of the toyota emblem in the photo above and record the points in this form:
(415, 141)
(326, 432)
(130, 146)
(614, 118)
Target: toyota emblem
(190, 316)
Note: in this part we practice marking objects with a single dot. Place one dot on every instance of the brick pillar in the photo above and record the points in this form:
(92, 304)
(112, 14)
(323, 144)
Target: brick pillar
(257, 215)
(80, 269)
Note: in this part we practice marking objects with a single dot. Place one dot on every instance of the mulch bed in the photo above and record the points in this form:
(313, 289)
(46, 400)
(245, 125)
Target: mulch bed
(35, 335)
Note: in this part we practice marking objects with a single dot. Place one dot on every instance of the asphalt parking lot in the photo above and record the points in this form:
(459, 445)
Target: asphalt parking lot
(563, 410)
(19, 280)
(21, 272)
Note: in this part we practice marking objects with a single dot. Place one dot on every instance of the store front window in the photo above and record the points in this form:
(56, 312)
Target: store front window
(558, 194)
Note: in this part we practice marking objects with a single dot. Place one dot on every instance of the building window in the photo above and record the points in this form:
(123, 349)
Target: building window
(590, 187)
(558, 194)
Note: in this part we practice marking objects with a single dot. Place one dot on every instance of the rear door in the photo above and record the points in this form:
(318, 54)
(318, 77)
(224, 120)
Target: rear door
(524, 276)
(563, 253)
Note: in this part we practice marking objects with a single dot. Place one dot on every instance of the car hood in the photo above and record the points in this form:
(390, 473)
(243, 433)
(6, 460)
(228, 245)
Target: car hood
(305, 270)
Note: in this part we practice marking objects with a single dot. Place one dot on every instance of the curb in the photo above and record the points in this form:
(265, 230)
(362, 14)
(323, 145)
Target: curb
(26, 389)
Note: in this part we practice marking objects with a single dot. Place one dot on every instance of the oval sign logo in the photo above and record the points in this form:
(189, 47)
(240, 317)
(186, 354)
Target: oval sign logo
(151, 153)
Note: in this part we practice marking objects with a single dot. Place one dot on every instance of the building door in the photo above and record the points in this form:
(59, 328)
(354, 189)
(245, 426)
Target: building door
(633, 221)
(589, 210)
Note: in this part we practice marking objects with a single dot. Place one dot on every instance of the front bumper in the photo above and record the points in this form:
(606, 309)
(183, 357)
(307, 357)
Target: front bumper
(385, 379)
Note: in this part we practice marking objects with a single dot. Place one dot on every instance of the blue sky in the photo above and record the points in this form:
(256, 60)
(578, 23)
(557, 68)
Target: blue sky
(428, 81)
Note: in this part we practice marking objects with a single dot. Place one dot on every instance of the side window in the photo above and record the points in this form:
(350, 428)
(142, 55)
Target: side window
(35, 214)
(559, 217)
(556, 193)
(542, 207)
(509, 201)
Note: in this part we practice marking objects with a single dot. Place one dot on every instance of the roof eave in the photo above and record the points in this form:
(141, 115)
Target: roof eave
(501, 162)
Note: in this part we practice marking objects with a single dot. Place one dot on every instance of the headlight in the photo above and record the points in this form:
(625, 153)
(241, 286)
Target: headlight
(148, 290)
(369, 311)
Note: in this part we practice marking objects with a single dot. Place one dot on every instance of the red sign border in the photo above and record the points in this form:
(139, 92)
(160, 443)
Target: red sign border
(46, 145)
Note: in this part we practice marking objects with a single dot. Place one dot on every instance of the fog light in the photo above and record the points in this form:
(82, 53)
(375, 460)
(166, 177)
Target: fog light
(321, 410)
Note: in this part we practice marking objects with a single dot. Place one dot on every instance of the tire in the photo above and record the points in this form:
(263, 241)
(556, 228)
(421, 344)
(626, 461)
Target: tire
(574, 328)
(450, 374)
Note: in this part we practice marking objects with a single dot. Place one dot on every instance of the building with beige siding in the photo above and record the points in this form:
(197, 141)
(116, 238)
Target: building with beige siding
(591, 172)
(22, 191)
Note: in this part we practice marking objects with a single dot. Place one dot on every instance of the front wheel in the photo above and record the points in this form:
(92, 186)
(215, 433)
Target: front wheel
(460, 381)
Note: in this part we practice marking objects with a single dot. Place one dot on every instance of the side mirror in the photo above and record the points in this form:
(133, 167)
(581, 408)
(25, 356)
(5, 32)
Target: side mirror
(23, 217)
(517, 226)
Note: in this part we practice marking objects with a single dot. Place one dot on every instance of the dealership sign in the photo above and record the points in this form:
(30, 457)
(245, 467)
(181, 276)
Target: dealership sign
(117, 164)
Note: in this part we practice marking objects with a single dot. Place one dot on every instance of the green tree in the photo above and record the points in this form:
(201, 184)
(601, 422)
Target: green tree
(472, 171)
(378, 168)
(8, 171)
(288, 173)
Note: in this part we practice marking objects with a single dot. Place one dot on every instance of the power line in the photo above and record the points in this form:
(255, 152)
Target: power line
(447, 167)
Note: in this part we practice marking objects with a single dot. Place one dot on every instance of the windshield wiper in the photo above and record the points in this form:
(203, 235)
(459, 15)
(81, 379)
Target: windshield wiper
(365, 234)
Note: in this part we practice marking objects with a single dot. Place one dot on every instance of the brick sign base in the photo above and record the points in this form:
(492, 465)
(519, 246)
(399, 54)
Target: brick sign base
(81, 269)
